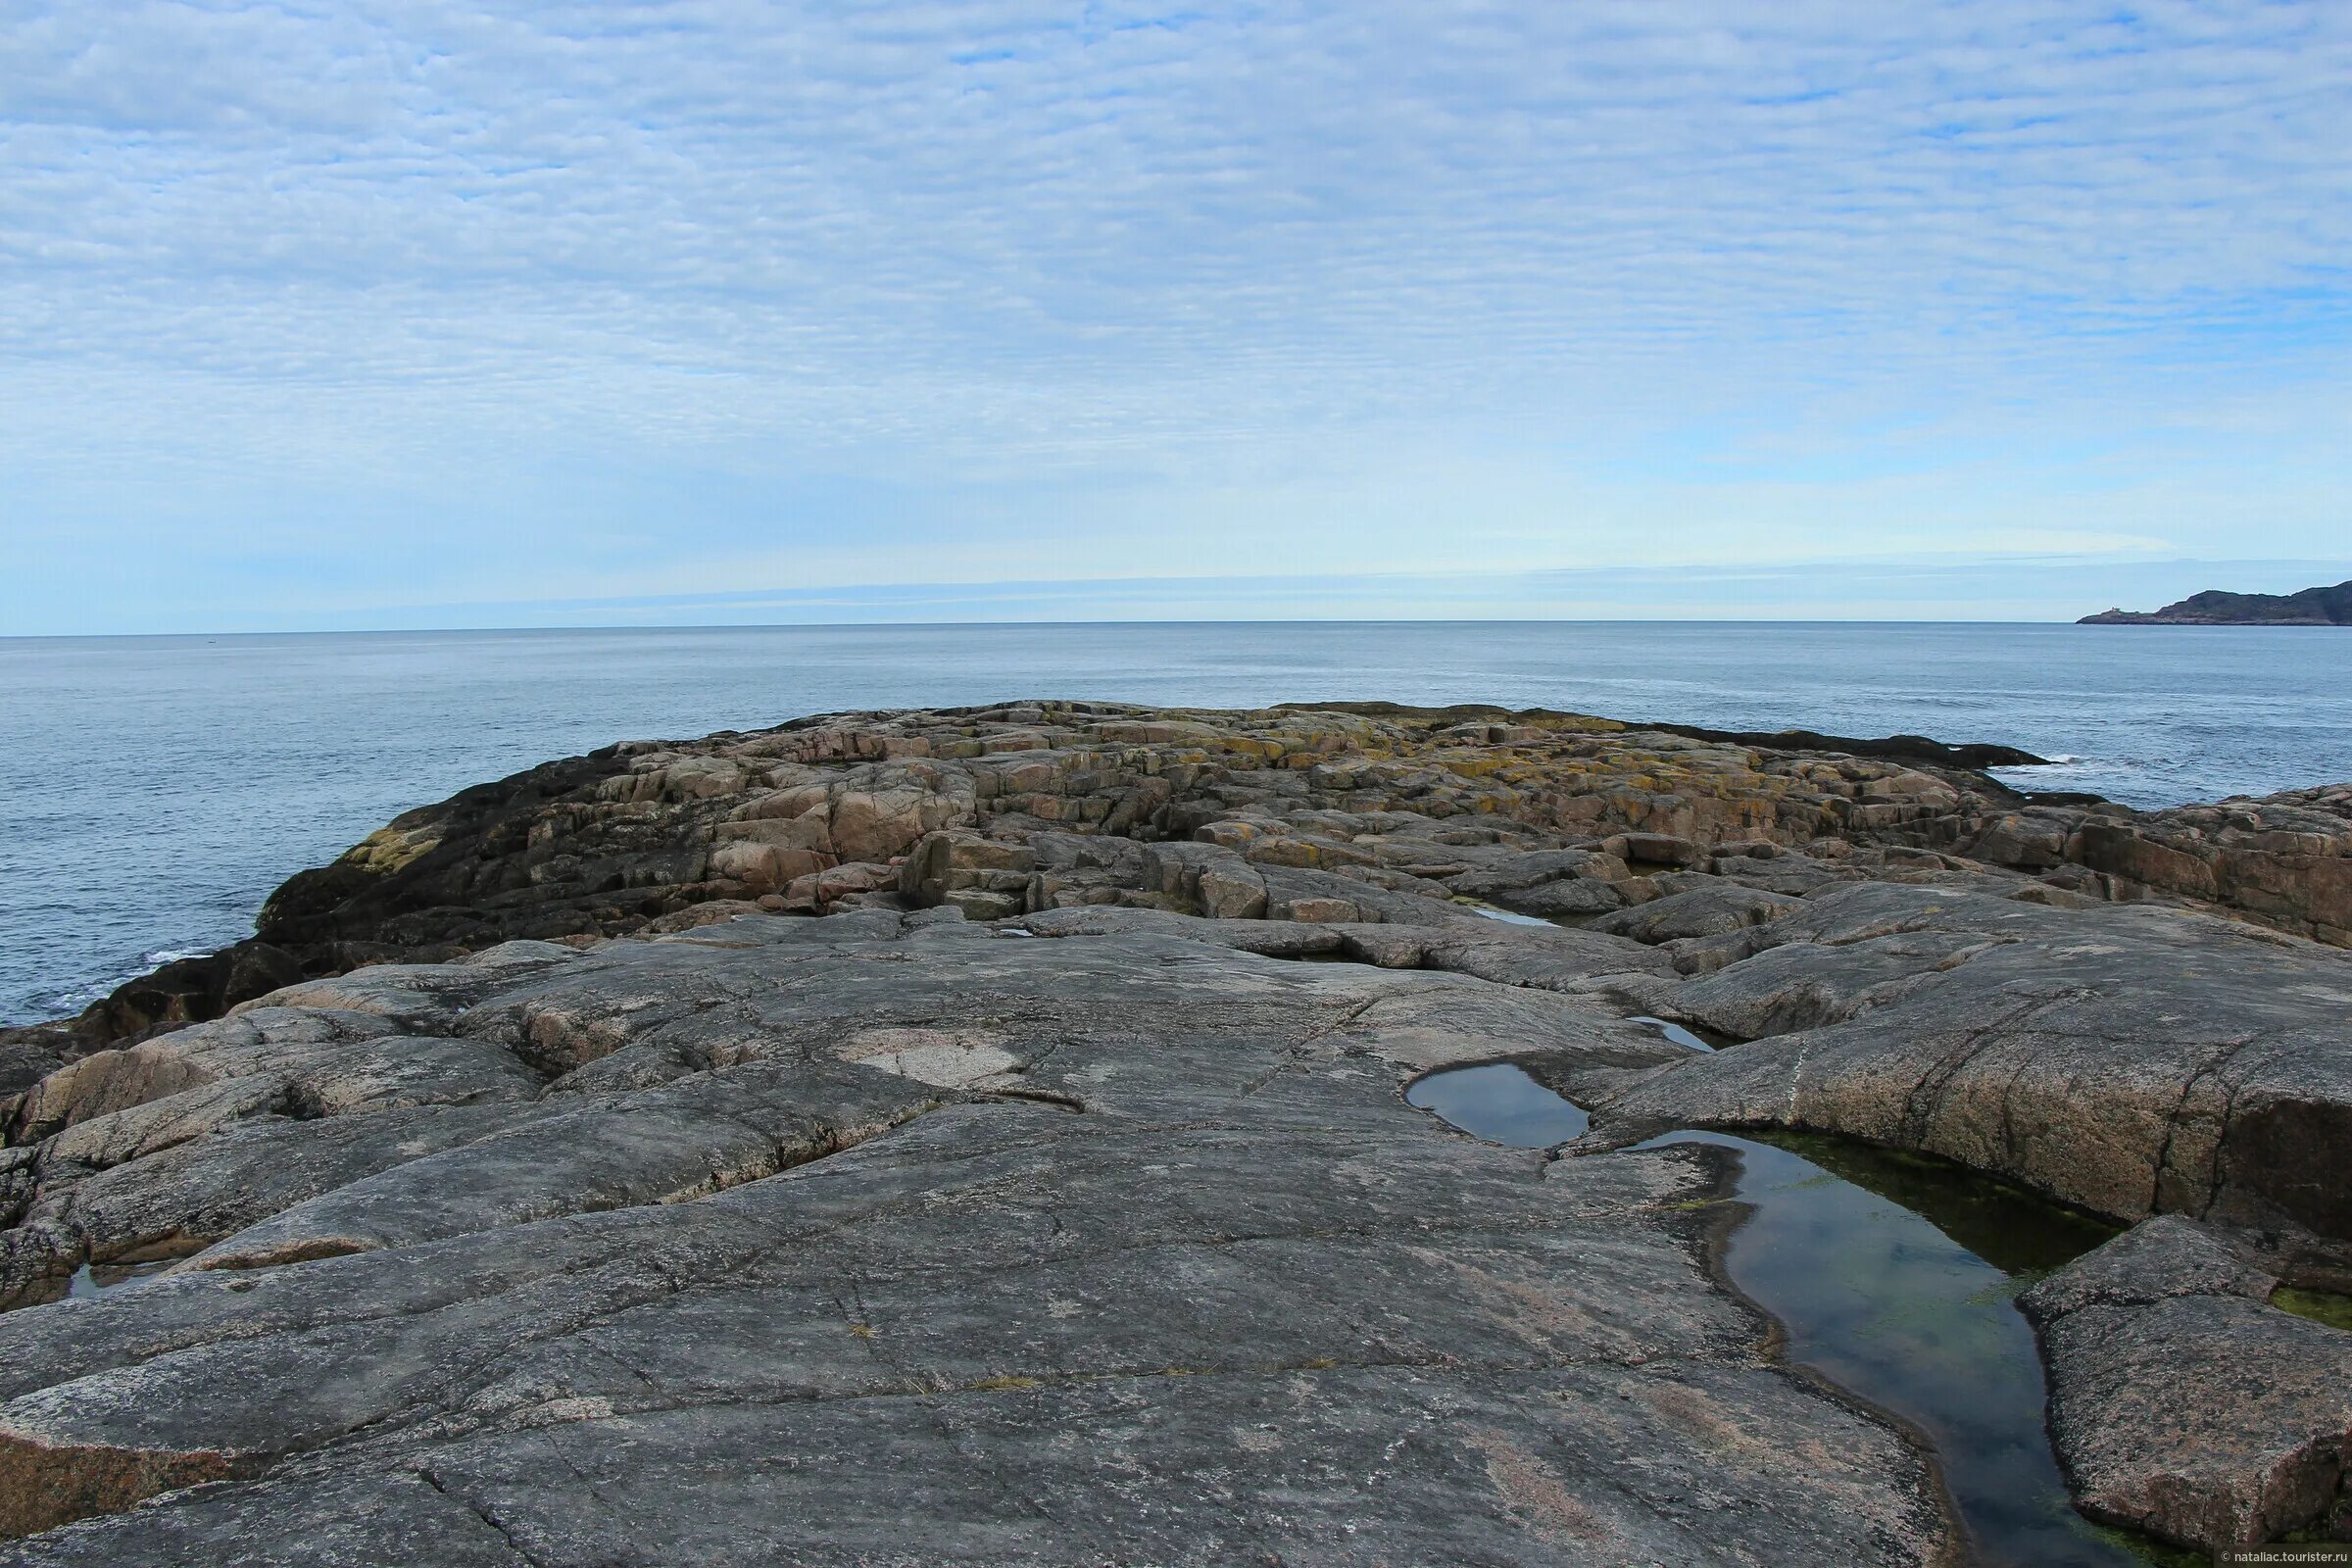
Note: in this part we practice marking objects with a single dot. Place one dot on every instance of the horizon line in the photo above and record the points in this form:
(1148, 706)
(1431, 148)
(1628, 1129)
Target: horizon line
(1015, 625)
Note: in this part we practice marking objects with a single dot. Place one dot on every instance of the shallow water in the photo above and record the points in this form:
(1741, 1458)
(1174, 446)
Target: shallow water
(1499, 1102)
(1893, 1277)
(1507, 916)
(1680, 1034)
(1891, 1295)
(94, 1279)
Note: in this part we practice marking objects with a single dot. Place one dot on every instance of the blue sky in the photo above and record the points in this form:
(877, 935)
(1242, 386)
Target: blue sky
(387, 314)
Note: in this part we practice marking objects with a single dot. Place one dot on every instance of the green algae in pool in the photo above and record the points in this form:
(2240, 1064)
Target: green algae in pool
(2321, 1306)
(1892, 1277)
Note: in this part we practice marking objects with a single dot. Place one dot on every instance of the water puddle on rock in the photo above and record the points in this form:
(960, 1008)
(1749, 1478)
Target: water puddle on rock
(1893, 1277)
(1680, 1034)
(93, 1280)
(2321, 1306)
(1507, 916)
(1499, 1102)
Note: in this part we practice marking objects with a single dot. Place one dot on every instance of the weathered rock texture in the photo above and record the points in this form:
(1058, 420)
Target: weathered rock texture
(2182, 1405)
(554, 1191)
(2131, 1060)
(1052, 802)
(886, 1237)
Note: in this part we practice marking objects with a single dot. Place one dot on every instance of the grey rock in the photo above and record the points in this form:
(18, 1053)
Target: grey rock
(2133, 1060)
(1131, 1219)
(1795, 875)
(1565, 899)
(2184, 1407)
(1051, 1198)
(1699, 912)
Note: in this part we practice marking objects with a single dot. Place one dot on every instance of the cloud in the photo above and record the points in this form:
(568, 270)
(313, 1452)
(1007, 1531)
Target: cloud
(1003, 282)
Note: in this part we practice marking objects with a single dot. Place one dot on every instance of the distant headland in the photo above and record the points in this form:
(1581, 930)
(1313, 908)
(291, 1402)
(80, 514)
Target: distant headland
(2312, 607)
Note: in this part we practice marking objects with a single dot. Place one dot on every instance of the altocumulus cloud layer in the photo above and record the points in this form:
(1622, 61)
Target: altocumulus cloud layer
(387, 314)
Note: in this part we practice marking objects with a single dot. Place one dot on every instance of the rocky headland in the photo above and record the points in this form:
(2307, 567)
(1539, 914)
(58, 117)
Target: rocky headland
(2312, 607)
(978, 1136)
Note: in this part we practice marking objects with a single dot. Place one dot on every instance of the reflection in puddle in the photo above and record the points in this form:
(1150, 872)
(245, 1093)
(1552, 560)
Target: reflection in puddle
(1501, 1103)
(1900, 1306)
(1507, 916)
(1893, 1277)
(93, 1280)
(1679, 1034)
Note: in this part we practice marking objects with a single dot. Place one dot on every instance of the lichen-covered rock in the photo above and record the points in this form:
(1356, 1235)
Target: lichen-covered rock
(628, 837)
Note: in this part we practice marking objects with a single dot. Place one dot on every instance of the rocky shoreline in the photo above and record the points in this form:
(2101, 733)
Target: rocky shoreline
(921, 1137)
(2312, 607)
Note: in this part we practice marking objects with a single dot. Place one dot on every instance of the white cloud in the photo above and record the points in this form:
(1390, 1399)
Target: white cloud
(1004, 281)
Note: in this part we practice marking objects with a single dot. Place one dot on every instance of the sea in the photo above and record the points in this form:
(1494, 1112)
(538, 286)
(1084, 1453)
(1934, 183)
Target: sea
(157, 788)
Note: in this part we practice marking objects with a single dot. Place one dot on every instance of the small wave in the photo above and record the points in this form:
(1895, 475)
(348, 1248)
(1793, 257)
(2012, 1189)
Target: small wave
(39, 1003)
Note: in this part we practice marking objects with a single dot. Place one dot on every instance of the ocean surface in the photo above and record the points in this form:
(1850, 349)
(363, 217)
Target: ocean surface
(157, 788)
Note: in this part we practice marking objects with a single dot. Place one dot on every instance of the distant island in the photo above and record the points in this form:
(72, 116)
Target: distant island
(2312, 607)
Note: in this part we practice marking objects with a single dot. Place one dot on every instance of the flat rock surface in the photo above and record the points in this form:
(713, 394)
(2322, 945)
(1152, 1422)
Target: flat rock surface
(892, 1239)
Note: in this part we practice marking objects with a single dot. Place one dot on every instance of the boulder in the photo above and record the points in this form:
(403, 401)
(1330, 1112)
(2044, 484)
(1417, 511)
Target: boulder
(2133, 1060)
(1699, 912)
(2183, 1404)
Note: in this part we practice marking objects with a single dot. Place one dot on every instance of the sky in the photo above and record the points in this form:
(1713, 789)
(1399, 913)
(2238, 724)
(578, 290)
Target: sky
(378, 315)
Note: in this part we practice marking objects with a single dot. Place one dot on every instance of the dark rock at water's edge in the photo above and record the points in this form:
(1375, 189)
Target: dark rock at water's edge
(2312, 607)
(1900, 747)
(631, 836)
(563, 1170)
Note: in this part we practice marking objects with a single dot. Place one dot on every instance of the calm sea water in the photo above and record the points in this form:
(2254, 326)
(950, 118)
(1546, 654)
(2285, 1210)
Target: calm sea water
(157, 788)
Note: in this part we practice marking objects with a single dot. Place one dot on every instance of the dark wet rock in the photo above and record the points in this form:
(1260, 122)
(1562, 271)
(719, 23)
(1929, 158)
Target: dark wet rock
(1897, 747)
(2183, 1404)
(30, 1054)
(1115, 1194)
